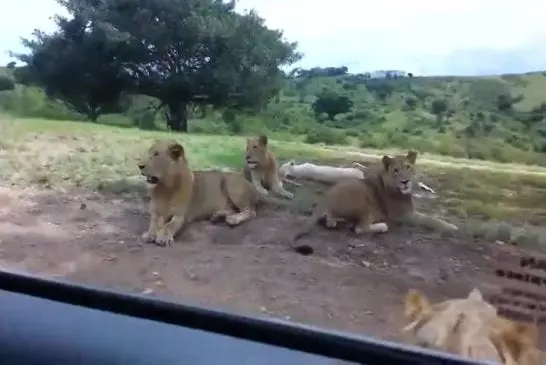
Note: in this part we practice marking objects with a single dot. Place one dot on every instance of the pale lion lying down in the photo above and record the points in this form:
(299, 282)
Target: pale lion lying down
(471, 328)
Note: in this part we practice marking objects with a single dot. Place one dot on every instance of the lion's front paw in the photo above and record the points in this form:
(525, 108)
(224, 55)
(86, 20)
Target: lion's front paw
(232, 220)
(262, 191)
(164, 239)
(288, 195)
(148, 236)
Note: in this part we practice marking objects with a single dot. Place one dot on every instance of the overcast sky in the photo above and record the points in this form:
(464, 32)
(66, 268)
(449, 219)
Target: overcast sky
(422, 36)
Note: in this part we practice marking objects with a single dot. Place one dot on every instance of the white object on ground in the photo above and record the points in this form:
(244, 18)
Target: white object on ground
(330, 174)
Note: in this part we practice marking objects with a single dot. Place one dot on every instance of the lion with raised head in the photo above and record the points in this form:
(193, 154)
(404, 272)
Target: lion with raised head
(180, 196)
(383, 196)
(470, 327)
(261, 168)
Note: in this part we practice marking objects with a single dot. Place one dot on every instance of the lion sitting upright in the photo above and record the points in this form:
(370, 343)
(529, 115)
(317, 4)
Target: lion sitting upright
(384, 196)
(180, 195)
(261, 168)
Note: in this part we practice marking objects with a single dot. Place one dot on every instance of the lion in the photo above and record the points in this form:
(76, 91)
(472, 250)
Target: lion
(180, 196)
(470, 327)
(383, 196)
(261, 168)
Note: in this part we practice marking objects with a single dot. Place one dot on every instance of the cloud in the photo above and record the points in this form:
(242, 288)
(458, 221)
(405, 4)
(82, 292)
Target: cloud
(20, 18)
(421, 36)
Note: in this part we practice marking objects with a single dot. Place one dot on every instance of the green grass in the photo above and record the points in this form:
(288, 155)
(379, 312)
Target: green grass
(53, 153)
(493, 134)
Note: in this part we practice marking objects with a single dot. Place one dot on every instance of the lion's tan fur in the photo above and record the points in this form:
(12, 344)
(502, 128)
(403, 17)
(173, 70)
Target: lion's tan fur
(385, 195)
(470, 327)
(180, 196)
(261, 168)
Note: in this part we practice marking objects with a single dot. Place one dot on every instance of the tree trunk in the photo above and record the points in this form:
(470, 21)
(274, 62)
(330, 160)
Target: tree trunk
(93, 114)
(177, 117)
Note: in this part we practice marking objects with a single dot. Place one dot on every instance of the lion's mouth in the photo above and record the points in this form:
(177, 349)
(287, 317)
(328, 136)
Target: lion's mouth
(405, 187)
(152, 180)
(252, 164)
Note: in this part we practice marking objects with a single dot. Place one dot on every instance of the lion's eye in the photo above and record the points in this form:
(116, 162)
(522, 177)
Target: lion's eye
(395, 170)
(156, 153)
(254, 146)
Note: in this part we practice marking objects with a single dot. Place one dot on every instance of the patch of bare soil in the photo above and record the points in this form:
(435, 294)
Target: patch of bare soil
(350, 283)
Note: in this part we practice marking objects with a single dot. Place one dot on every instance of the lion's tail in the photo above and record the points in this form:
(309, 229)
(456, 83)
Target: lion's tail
(310, 227)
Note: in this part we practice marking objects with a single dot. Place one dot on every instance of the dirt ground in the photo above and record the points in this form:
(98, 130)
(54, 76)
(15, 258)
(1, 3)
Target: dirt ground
(350, 283)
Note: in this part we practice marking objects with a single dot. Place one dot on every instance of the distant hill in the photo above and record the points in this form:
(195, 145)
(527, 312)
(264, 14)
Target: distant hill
(496, 117)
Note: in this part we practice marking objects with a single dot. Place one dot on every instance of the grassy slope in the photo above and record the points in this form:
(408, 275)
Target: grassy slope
(373, 123)
(52, 154)
(377, 124)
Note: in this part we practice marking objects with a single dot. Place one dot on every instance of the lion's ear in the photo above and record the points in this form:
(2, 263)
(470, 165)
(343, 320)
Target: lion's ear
(386, 160)
(475, 294)
(176, 150)
(263, 140)
(411, 156)
(415, 304)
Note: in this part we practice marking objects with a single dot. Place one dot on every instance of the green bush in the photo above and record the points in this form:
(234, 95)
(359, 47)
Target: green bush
(6, 83)
(328, 136)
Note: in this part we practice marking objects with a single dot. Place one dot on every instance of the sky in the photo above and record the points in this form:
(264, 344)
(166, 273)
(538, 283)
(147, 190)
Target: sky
(425, 37)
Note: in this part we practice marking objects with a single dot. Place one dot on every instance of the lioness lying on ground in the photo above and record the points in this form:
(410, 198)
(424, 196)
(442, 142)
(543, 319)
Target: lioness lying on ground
(261, 168)
(383, 196)
(471, 328)
(180, 195)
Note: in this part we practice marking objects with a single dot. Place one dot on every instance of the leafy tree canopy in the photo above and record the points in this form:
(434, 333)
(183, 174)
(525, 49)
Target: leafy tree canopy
(331, 104)
(192, 51)
(78, 65)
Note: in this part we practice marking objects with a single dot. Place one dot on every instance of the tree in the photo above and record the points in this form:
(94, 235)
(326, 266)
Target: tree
(506, 101)
(6, 83)
(194, 51)
(331, 104)
(439, 108)
(381, 88)
(78, 65)
(411, 103)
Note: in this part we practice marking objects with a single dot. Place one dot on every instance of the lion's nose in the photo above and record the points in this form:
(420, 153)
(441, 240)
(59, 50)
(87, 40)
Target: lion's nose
(140, 166)
(405, 182)
(247, 158)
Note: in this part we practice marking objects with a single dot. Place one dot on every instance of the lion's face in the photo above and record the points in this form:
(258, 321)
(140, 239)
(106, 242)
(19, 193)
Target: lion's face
(159, 161)
(399, 172)
(256, 151)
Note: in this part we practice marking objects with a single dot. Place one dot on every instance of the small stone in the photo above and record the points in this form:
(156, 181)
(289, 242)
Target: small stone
(365, 263)
(159, 283)
(147, 291)
(83, 206)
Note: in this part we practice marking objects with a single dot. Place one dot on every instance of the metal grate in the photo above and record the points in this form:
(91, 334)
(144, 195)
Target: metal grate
(522, 294)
